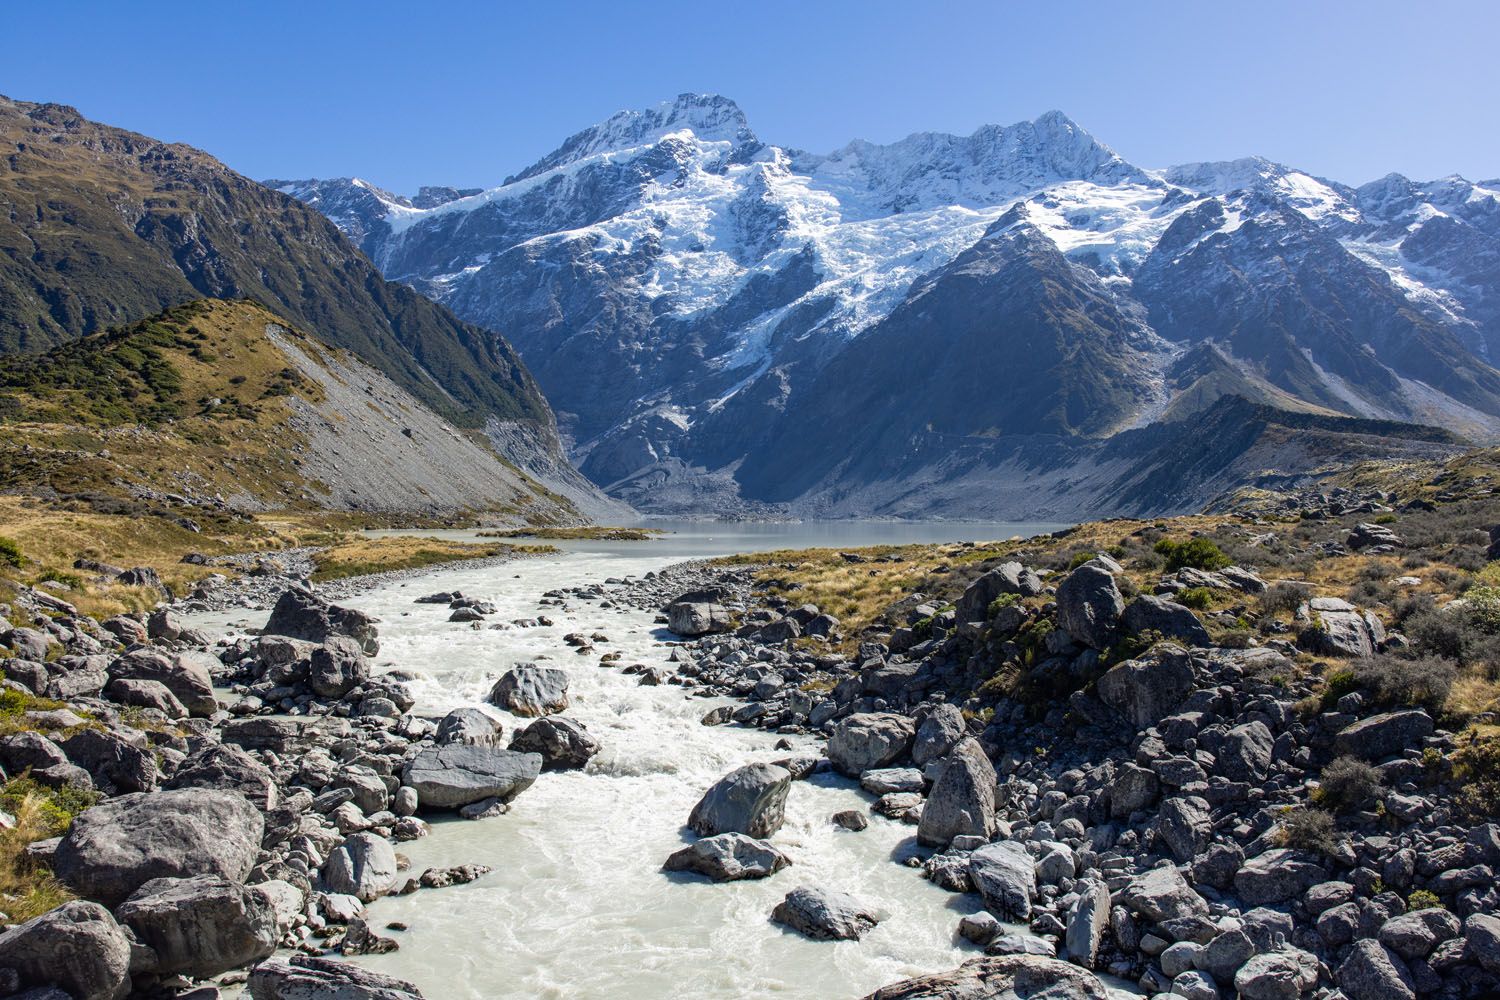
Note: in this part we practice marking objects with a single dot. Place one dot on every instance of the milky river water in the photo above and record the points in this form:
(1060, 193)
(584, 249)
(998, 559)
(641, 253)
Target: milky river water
(577, 906)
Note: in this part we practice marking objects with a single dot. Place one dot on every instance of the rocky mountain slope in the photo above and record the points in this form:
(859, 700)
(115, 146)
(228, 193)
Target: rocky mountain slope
(220, 409)
(103, 227)
(724, 322)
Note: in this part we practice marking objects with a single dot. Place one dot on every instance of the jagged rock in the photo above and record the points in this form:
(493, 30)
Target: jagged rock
(1007, 578)
(115, 847)
(303, 977)
(1007, 977)
(187, 675)
(692, 619)
(729, 857)
(78, 947)
(1148, 613)
(113, 763)
(869, 740)
(1275, 876)
(1277, 975)
(824, 915)
(749, 800)
(1184, 824)
(337, 667)
(1004, 875)
(471, 726)
(962, 800)
(1089, 605)
(1161, 894)
(1148, 689)
(301, 614)
(1087, 919)
(226, 766)
(1365, 534)
(1337, 628)
(363, 866)
(529, 690)
(1245, 752)
(200, 926)
(457, 775)
(1374, 972)
(563, 743)
(937, 733)
(1385, 735)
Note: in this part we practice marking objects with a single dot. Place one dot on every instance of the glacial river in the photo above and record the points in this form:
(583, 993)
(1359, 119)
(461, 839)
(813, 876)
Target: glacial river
(577, 908)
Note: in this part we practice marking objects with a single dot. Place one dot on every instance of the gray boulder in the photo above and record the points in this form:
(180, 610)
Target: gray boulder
(363, 866)
(228, 767)
(1277, 975)
(1245, 752)
(187, 675)
(824, 915)
(457, 775)
(1413, 935)
(77, 947)
(1275, 877)
(1148, 689)
(962, 800)
(146, 694)
(337, 667)
(937, 732)
(301, 614)
(1162, 894)
(115, 847)
(1374, 972)
(728, 857)
(1157, 614)
(1184, 824)
(1482, 935)
(1337, 628)
(1004, 875)
(563, 743)
(114, 762)
(303, 977)
(1087, 919)
(1089, 605)
(869, 740)
(471, 726)
(1006, 977)
(1385, 735)
(530, 690)
(691, 619)
(1008, 578)
(749, 800)
(200, 926)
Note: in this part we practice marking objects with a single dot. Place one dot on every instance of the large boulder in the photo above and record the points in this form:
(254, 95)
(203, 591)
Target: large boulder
(226, 766)
(1482, 935)
(1148, 689)
(114, 848)
(301, 614)
(1338, 628)
(1004, 875)
(1087, 919)
(728, 857)
(1089, 605)
(469, 725)
(1005, 977)
(77, 947)
(867, 740)
(1161, 894)
(187, 675)
(530, 690)
(1245, 752)
(1275, 877)
(337, 667)
(303, 977)
(749, 800)
(146, 694)
(1285, 974)
(363, 866)
(1374, 972)
(691, 619)
(563, 743)
(1007, 578)
(1385, 735)
(824, 915)
(1184, 824)
(114, 762)
(456, 775)
(1157, 614)
(938, 731)
(200, 926)
(962, 800)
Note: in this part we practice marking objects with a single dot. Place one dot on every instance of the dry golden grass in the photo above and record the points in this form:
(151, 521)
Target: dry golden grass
(357, 555)
(594, 531)
(28, 890)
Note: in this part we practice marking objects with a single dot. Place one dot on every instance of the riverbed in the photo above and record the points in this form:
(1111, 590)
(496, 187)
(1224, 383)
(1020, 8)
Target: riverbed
(577, 906)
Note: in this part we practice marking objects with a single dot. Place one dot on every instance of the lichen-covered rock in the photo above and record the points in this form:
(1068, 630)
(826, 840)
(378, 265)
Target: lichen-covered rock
(78, 947)
(200, 926)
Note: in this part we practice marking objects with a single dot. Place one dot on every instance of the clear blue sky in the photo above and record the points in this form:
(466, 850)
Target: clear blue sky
(466, 93)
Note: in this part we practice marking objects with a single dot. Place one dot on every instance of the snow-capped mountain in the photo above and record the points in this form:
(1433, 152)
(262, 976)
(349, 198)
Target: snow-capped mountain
(720, 322)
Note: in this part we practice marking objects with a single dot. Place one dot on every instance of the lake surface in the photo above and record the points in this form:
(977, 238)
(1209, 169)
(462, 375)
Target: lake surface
(577, 907)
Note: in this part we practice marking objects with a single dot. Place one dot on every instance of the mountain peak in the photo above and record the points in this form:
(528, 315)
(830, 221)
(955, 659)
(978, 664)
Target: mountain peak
(710, 117)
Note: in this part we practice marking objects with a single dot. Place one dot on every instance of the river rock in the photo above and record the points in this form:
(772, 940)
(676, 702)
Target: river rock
(749, 800)
(303, 977)
(530, 690)
(1089, 605)
(471, 726)
(200, 926)
(1148, 689)
(456, 775)
(187, 675)
(869, 740)
(1004, 875)
(115, 847)
(962, 800)
(691, 619)
(301, 614)
(939, 730)
(824, 915)
(1006, 977)
(363, 866)
(226, 766)
(564, 744)
(729, 857)
(78, 947)
(337, 667)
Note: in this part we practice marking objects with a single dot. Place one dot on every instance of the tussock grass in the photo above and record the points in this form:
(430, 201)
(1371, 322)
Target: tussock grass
(357, 555)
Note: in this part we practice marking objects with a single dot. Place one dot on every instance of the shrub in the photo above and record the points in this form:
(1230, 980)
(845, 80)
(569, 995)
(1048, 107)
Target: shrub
(1477, 767)
(1079, 558)
(1397, 681)
(1285, 596)
(1195, 553)
(55, 807)
(1424, 899)
(1336, 685)
(1003, 601)
(1198, 598)
(1310, 829)
(10, 553)
(1348, 784)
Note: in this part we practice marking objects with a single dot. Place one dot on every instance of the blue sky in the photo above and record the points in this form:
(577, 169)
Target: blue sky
(465, 94)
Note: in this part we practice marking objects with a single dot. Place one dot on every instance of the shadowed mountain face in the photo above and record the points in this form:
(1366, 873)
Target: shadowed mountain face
(724, 323)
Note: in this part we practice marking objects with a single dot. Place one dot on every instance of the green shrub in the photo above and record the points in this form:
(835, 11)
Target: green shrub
(1347, 784)
(1195, 553)
(1477, 767)
(1336, 685)
(1003, 601)
(58, 806)
(10, 553)
(1424, 899)
(1310, 829)
(1403, 682)
(1079, 558)
(1198, 598)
